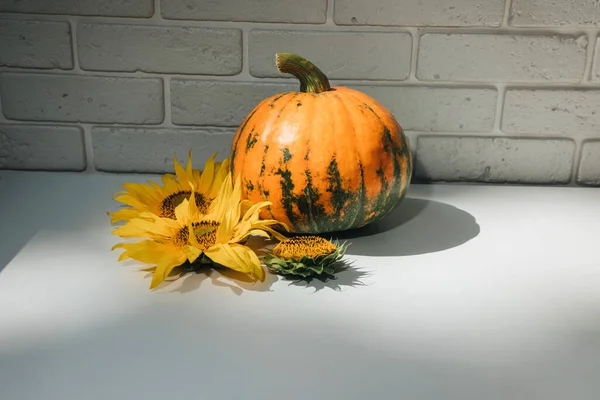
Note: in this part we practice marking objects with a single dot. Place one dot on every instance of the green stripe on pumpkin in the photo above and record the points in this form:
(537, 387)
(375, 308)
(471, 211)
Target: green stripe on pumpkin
(287, 156)
(251, 140)
(395, 188)
(385, 205)
(264, 158)
(241, 134)
(287, 195)
(362, 196)
(308, 205)
(341, 199)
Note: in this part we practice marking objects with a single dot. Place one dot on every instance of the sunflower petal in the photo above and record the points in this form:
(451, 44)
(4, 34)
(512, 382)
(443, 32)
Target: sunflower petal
(191, 252)
(237, 257)
(171, 185)
(252, 214)
(226, 227)
(143, 228)
(193, 211)
(138, 191)
(236, 195)
(188, 167)
(221, 203)
(222, 170)
(146, 251)
(273, 232)
(208, 175)
(165, 266)
(256, 232)
(182, 211)
(124, 214)
(131, 201)
(179, 171)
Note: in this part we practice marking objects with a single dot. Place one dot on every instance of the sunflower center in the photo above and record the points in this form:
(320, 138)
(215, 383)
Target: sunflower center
(303, 246)
(170, 203)
(205, 231)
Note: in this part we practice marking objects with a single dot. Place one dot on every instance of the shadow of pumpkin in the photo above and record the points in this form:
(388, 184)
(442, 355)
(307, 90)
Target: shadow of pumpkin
(416, 226)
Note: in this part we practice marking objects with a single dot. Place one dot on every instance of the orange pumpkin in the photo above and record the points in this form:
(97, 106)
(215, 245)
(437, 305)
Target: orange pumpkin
(328, 158)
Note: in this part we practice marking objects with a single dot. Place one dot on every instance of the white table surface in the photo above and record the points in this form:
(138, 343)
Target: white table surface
(465, 292)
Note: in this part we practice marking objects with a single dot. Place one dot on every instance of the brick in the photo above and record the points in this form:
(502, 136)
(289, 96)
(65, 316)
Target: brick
(109, 8)
(589, 166)
(35, 44)
(218, 103)
(554, 13)
(494, 159)
(71, 98)
(437, 109)
(291, 11)
(185, 50)
(382, 55)
(596, 68)
(508, 58)
(151, 150)
(37, 147)
(419, 12)
(552, 111)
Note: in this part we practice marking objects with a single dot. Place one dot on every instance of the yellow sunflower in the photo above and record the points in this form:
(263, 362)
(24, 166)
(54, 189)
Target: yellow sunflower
(160, 200)
(217, 235)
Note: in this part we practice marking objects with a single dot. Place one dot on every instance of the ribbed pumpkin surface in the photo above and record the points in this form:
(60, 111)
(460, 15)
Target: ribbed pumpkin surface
(328, 161)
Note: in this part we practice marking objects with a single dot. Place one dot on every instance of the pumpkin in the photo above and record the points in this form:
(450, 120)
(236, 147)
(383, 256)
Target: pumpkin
(327, 158)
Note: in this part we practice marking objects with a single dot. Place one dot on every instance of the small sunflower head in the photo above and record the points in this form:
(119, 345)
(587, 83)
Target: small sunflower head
(305, 257)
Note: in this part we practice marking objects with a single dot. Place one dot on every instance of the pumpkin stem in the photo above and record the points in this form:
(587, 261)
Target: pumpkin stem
(312, 79)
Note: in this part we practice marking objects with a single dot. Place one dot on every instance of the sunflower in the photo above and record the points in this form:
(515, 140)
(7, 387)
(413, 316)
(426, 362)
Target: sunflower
(306, 256)
(218, 235)
(141, 198)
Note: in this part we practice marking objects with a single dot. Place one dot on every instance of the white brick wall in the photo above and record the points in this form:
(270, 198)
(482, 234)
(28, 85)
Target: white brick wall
(504, 58)
(419, 12)
(487, 159)
(151, 150)
(566, 112)
(555, 13)
(217, 103)
(596, 67)
(291, 11)
(589, 173)
(116, 8)
(35, 44)
(42, 147)
(79, 98)
(487, 90)
(382, 55)
(162, 49)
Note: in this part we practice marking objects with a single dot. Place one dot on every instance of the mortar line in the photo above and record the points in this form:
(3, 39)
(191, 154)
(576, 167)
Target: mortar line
(159, 21)
(589, 58)
(593, 55)
(329, 22)
(506, 16)
(167, 121)
(284, 80)
(414, 54)
(501, 92)
(245, 72)
(577, 159)
(156, 16)
(89, 148)
(2, 117)
(73, 24)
